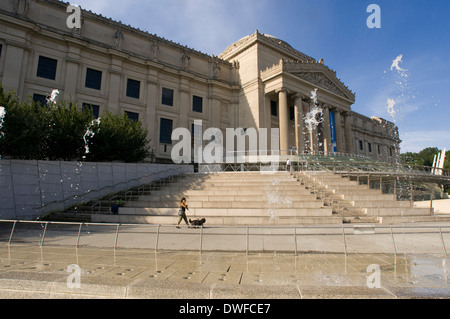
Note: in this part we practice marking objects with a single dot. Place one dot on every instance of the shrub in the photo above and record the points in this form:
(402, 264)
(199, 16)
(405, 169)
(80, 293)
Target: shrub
(58, 131)
(117, 138)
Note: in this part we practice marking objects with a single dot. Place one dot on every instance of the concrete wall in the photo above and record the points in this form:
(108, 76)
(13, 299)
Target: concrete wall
(29, 189)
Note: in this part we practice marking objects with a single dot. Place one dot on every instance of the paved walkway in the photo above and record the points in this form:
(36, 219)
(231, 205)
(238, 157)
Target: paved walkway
(320, 263)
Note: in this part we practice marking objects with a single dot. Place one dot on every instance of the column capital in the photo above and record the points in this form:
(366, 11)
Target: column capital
(282, 89)
(298, 95)
(348, 114)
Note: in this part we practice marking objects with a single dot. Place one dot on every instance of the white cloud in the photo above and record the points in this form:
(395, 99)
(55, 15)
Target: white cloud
(205, 25)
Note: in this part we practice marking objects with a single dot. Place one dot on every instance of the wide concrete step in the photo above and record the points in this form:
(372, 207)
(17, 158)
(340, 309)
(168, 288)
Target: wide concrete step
(369, 197)
(242, 212)
(238, 197)
(398, 211)
(356, 191)
(337, 182)
(381, 204)
(225, 185)
(220, 193)
(218, 220)
(249, 203)
(348, 187)
(394, 220)
(243, 186)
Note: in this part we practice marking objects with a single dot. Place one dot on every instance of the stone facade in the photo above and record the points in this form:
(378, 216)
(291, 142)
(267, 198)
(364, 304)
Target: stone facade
(259, 81)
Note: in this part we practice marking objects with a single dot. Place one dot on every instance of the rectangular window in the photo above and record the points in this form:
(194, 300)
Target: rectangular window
(370, 147)
(390, 151)
(167, 97)
(95, 109)
(47, 68)
(133, 88)
(165, 131)
(361, 145)
(39, 98)
(273, 108)
(197, 104)
(379, 149)
(93, 79)
(1, 50)
(132, 116)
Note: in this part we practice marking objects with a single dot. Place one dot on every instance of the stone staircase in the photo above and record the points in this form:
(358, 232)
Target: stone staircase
(239, 198)
(254, 199)
(359, 203)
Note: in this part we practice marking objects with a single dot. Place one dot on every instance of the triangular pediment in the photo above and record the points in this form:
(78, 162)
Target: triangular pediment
(321, 80)
(318, 75)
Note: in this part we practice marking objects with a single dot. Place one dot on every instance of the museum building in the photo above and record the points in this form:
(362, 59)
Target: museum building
(257, 82)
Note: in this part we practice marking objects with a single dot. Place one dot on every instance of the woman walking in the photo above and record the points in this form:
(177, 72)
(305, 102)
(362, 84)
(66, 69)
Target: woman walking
(182, 212)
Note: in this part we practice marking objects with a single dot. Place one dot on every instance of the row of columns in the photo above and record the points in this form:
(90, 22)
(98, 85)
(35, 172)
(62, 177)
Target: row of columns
(313, 138)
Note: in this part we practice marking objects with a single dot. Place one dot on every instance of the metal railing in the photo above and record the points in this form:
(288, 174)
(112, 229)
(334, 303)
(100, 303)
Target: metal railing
(287, 236)
(128, 195)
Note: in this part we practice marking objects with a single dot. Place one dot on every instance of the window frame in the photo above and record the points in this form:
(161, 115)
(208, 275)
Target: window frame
(131, 91)
(198, 99)
(165, 98)
(164, 138)
(94, 108)
(134, 116)
(88, 82)
(45, 70)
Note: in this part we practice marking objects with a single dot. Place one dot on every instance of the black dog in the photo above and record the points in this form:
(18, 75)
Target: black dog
(197, 223)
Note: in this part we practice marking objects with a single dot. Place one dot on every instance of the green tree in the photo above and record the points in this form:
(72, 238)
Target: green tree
(58, 132)
(67, 126)
(24, 128)
(427, 155)
(447, 160)
(117, 138)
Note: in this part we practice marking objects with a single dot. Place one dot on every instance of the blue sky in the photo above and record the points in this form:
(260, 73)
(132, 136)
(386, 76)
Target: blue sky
(336, 31)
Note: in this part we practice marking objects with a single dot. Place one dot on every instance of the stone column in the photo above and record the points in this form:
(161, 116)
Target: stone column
(299, 124)
(150, 112)
(12, 70)
(349, 133)
(326, 130)
(115, 74)
(185, 104)
(339, 133)
(283, 114)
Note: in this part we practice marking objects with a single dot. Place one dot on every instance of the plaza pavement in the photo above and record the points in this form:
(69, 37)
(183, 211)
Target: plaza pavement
(312, 262)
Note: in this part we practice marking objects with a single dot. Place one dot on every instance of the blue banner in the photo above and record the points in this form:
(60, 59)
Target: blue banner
(333, 132)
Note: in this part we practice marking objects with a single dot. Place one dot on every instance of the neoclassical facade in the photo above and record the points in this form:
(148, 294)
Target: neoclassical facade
(258, 81)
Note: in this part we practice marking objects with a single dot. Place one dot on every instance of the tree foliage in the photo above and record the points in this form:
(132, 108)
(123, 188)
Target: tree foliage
(425, 157)
(32, 131)
(117, 138)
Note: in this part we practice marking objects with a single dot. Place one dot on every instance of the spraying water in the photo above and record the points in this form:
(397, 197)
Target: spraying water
(401, 81)
(2, 117)
(314, 117)
(53, 96)
(390, 107)
(89, 134)
(396, 62)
